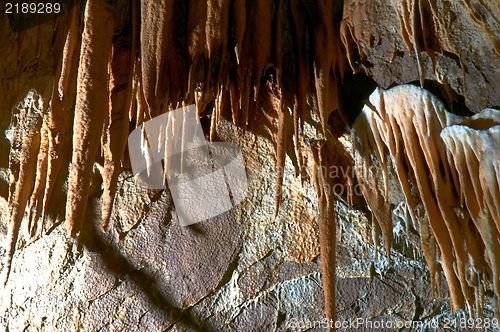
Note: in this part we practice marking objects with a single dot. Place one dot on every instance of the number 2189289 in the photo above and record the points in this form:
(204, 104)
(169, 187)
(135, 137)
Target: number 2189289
(32, 8)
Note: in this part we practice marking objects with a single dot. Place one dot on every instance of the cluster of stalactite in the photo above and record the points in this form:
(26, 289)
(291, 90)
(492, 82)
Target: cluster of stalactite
(422, 28)
(449, 170)
(118, 65)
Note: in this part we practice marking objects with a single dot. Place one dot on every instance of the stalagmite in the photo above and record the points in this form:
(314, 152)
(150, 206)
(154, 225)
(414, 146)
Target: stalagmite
(91, 107)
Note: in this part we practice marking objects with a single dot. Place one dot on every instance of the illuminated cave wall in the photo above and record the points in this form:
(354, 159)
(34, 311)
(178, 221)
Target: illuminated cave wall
(291, 76)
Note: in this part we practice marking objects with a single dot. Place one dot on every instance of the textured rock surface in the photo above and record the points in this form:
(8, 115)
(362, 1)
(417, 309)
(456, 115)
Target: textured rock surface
(149, 273)
(242, 271)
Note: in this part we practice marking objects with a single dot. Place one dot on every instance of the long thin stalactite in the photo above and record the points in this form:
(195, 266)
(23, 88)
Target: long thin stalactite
(115, 68)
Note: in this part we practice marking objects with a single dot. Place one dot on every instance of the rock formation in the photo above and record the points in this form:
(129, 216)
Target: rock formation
(438, 158)
(290, 73)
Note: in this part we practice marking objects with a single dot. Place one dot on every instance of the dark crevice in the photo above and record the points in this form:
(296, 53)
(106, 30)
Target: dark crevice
(453, 102)
(353, 94)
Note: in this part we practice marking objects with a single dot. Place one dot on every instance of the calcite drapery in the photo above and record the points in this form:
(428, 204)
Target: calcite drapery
(120, 64)
(440, 159)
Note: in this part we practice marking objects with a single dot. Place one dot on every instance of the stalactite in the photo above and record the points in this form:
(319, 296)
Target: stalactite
(261, 43)
(474, 149)
(402, 126)
(156, 33)
(252, 31)
(116, 134)
(379, 208)
(25, 140)
(384, 119)
(428, 244)
(350, 45)
(281, 145)
(217, 38)
(376, 193)
(213, 122)
(415, 22)
(35, 205)
(325, 60)
(322, 155)
(70, 45)
(239, 13)
(350, 32)
(62, 103)
(483, 12)
(185, 52)
(142, 110)
(195, 40)
(422, 31)
(156, 82)
(217, 53)
(234, 97)
(299, 107)
(91, 107)
(36, 200)
(279, 28)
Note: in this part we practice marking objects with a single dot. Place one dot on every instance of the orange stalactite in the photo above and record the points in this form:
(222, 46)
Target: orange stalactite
(117, 131)
(155, 38)
(217, 43)
(36, 200)
(443, 157)
(62, 102)
(91, 107)
(271, 63)
(221, 54)
(23, 166)
(196, 40)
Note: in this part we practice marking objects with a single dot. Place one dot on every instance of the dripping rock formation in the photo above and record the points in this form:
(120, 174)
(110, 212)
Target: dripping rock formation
(338, 162)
